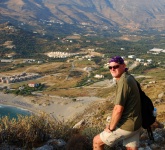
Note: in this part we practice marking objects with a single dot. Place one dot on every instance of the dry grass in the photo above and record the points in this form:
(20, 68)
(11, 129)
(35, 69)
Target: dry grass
(84, 63)
(54, 75)
(156, 73)
(58, 78)
(75, 92)
(130, 38)
(43, 68)
(154, 89)
(105, 92)
(30, 131)
(47, 67)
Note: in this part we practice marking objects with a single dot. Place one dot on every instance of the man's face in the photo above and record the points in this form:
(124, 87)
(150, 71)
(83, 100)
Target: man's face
(116, 69)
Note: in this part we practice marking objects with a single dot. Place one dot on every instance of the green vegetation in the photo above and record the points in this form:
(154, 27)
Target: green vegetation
(33, 45)
(140, 69)
(83, 82)
(26, 90)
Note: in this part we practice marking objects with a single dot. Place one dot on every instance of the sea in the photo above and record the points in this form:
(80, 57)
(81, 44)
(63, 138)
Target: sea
(13, 112)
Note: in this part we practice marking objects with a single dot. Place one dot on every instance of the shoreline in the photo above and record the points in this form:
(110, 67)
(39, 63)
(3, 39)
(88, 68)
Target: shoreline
(24, 109)
(62, 109)
(16, 101)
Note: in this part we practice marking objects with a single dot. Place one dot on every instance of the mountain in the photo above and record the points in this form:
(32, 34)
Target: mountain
(123, 14)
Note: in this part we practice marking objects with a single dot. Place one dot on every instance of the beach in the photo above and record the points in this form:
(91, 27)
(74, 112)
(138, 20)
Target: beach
(61, 108)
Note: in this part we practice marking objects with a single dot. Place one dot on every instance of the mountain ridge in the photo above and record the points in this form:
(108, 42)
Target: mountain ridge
(129, 14)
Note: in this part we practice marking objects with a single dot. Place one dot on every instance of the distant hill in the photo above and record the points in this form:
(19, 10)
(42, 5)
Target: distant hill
(125, 14)
(14, 40)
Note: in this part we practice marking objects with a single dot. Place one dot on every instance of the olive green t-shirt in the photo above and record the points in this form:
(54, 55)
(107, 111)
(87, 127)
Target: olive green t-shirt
(127, 95)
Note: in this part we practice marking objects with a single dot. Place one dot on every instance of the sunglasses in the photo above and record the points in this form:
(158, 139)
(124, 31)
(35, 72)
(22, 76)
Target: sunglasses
(114, 67)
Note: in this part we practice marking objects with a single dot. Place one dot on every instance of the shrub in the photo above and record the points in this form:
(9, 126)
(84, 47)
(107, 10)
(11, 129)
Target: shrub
(29, 131)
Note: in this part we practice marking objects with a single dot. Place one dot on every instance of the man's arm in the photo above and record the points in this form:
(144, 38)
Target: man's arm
(116, 115)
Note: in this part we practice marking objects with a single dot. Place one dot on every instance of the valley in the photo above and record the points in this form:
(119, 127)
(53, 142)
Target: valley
(54, 63)
(71, 91)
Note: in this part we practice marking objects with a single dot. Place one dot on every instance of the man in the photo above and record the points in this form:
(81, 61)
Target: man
(126, 120)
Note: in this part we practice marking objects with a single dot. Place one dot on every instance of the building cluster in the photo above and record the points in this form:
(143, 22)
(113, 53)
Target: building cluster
(29, 60)
(140, 60)
(60, 54)
(156, 51)
(51, 21)
(19, 77)
(32, 61)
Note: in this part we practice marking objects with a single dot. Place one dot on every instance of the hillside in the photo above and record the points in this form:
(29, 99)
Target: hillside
(72, 94)
(110, 14)
(76, 90)
(16, 42)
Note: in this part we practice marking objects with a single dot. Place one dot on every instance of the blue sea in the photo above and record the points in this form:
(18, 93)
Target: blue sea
(12, 112)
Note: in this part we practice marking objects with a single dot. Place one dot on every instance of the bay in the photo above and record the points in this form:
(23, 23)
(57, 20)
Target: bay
(13, 112)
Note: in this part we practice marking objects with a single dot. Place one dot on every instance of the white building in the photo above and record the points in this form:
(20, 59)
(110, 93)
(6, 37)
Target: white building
(6, 60)
(131, 56)
(155, 50)
(139, 60)
(149, 61)
(99, 76)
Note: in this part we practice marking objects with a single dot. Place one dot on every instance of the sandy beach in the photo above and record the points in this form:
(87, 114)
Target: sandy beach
(61, 108)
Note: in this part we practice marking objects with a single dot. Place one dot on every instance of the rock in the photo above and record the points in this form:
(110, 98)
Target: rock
(78, 142)
(45, 147)
(56, 142)
(147, 148)
(144, 136)
(79, 124)
(108, 119)
(152, 82)
(160, 96)
(158, 101)
(154, 146)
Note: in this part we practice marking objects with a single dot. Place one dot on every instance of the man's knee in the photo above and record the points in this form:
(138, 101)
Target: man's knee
(97, 140)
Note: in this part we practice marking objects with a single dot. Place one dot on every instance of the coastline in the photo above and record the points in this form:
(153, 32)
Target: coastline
(62, 109)
(16, 101)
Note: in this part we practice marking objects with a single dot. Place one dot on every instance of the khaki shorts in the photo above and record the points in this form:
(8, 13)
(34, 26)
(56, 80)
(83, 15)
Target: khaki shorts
(130, 138)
